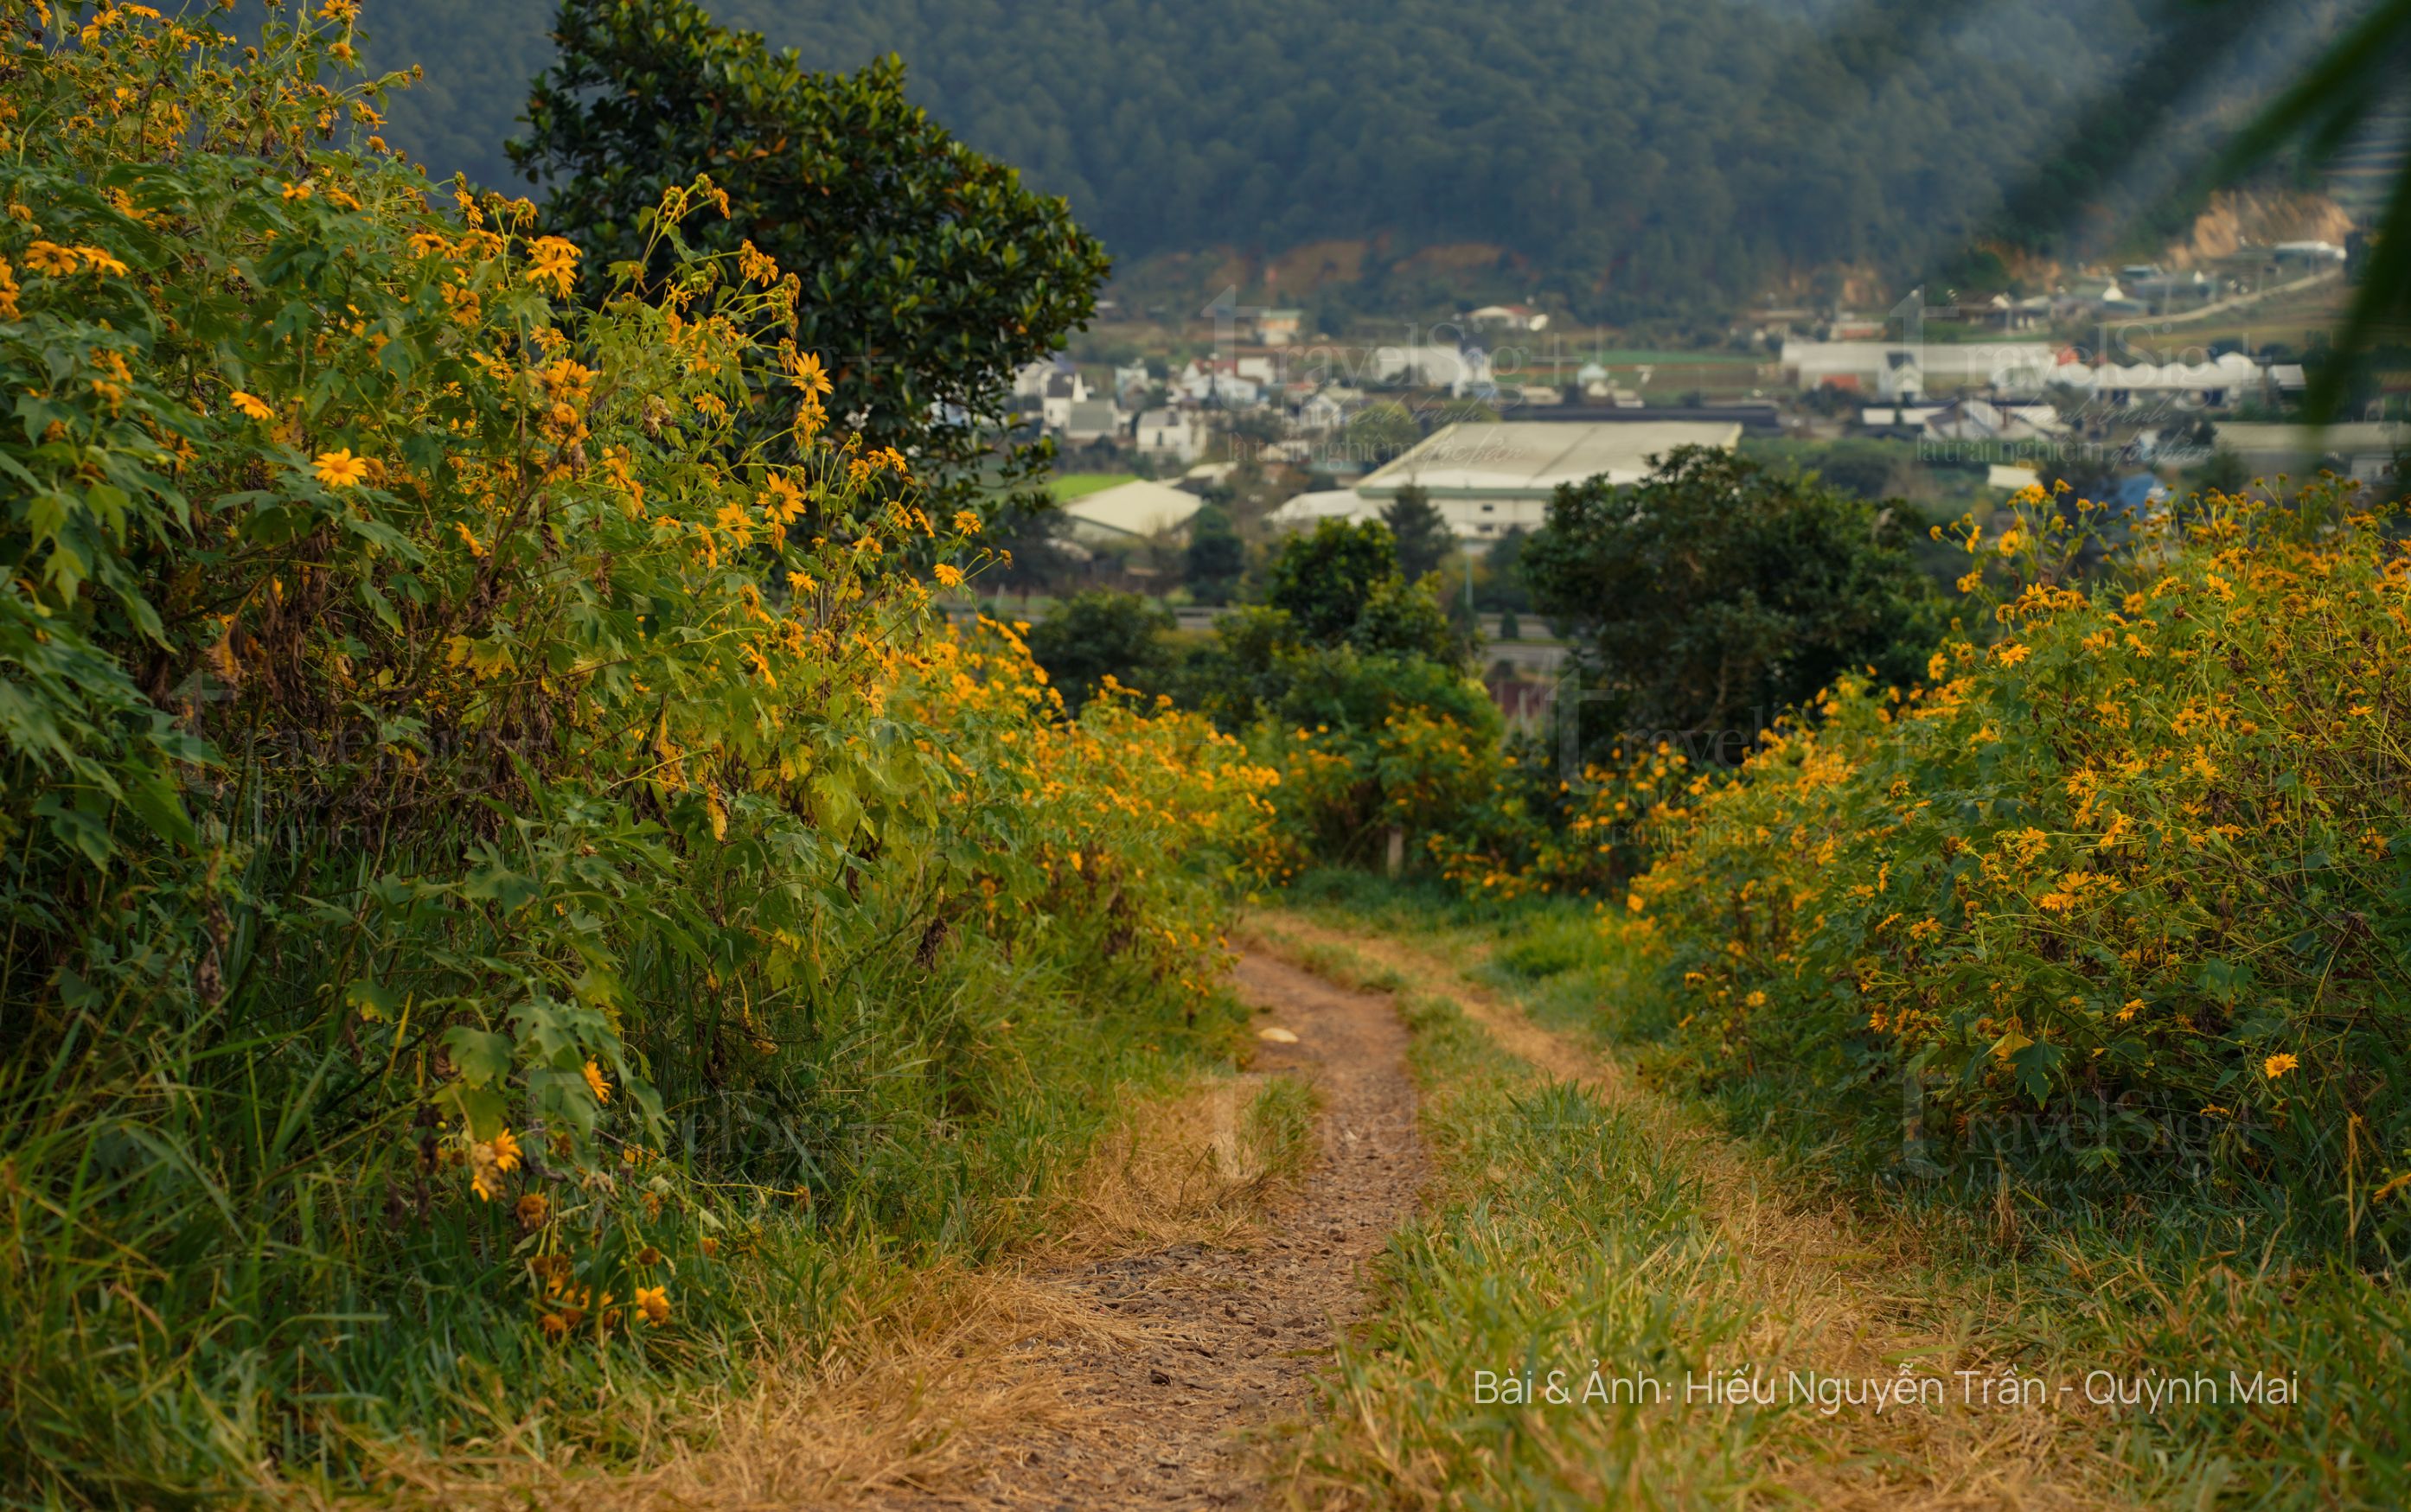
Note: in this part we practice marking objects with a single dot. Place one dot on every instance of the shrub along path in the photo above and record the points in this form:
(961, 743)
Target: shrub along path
(1167, 1357)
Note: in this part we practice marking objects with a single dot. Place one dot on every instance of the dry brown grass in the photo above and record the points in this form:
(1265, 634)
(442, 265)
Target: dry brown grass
(1197, 1168)
(918, 1392)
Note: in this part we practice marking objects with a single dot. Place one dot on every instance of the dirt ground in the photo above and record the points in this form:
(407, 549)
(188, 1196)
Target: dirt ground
(1184, 1351)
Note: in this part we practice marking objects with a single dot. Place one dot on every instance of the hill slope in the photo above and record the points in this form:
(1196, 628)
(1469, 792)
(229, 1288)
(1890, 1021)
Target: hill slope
(1663, 153)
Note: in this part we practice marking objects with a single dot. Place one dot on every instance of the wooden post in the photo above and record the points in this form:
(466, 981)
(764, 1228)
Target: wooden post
(1397, 850)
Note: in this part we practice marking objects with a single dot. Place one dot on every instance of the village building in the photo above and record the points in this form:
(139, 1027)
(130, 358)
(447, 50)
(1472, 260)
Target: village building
(1896, 370)
(1461, 372)
(1509, 317)
(1488, 477)
(1135, 511)
(1169, 435)
(1277, 327)
(2370, 450)
(1092, 419)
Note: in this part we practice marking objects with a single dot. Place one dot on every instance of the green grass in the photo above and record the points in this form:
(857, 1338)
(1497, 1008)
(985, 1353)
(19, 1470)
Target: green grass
(2068, 1285)
(1565, 1235)
(1070, 486)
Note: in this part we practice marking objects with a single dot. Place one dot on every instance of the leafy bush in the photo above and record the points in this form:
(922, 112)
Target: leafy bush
(1099, 638)
(1396, 744)
(1585, 833)
(2142, 869)
(510, 896)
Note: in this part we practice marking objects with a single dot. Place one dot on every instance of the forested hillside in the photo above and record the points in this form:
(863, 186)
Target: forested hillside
(1640, 158)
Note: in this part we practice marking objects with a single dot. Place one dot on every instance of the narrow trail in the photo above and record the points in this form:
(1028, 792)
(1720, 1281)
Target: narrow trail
(1167, 1358)
(1836, 1288)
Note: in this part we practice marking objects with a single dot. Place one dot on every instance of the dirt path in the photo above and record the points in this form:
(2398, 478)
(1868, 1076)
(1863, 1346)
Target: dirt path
(1835, 1288)
(1174, 1354)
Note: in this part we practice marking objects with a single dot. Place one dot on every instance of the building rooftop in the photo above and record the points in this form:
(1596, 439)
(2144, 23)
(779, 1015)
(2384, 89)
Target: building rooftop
(1137, 508)
(1531, 458)
(1305, 509)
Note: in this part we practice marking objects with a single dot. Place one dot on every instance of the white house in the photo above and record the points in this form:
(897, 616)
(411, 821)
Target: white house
(1513, 317)
(1092, 419)
(1218, 382)
(1032, 380)
(1319, 413)
(1431, 367)
(1903, 377)
(1278, 328)
(1174, 435)
(1064, 391)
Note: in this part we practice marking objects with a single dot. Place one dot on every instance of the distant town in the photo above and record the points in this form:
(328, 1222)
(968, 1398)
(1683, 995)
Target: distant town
(2125, 385)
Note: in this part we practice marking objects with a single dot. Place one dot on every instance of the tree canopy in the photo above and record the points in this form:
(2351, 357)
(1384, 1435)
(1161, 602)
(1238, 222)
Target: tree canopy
(1340, 584)
(1714, 595)
(1420, 530)
(928, 272)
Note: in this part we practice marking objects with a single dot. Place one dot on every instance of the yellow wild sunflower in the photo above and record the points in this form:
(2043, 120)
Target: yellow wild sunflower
(340, 469)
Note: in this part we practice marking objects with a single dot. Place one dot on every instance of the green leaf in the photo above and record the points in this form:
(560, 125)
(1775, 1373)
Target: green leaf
(375, 1001)
(485, 1110)
(153, 794)
(482, 1057)
(2034, 1064)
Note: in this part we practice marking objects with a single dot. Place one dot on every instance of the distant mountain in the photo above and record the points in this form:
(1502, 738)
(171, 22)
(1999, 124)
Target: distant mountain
(1644, 156)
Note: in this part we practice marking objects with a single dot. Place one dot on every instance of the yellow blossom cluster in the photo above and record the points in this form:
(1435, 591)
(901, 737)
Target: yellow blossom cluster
(2137, 853)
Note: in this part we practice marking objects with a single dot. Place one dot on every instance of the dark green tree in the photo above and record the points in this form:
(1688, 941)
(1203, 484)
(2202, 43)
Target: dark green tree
(1216, 558)
(1499, 587)
(1871, 470)
(1420, 530)
(1322, 580)
(2221, 472)
(1403, 619)
(1094, 635)
(1378, 432)
(1716, 593)
(928, 272)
